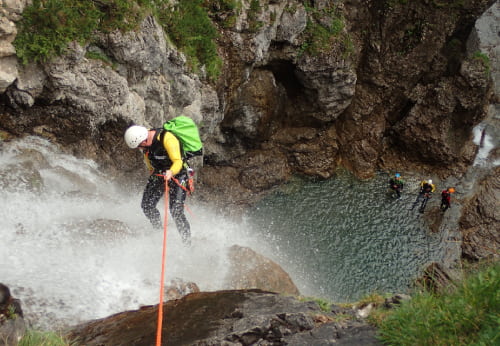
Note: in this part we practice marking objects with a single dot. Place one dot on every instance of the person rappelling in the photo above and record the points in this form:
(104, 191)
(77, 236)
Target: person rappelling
(163, 157)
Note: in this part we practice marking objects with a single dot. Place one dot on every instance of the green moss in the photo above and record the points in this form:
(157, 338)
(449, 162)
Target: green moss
(324, 32)
(485, 60)
(95, 55)
(190, 28)
(224, 12)
(323, 304)
(48, 26)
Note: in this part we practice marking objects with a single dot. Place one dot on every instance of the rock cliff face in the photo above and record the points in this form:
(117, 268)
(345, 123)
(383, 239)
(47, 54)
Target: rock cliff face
(397, 86)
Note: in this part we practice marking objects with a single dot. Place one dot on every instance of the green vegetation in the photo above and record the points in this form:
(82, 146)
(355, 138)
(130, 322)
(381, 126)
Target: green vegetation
(224, 12)
(253, 13)
(48, 26)
(324, 305)
(323, 29)
(99, 56)
(190, 28)
(413, 35)
(37, 338)
(466, 314)
(485, 60)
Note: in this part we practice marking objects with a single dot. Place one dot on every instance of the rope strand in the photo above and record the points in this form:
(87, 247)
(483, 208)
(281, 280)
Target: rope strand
(163, 256)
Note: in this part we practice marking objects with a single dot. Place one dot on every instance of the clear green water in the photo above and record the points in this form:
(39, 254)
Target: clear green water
(342, 238)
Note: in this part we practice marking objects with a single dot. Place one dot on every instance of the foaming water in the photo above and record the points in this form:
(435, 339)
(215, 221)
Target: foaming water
(485, 145)
(343, 238)
(77, 247)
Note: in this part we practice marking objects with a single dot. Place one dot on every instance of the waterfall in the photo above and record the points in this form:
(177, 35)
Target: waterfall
(76, 246)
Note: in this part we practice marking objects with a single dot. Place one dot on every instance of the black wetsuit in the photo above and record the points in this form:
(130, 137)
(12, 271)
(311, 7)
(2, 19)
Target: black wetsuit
(396, 185)
(155, 189)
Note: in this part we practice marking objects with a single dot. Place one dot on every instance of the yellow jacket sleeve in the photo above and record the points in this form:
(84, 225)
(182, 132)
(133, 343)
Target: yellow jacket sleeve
(173, 148)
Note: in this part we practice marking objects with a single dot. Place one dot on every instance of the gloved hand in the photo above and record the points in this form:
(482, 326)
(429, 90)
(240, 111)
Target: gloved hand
(168, 175)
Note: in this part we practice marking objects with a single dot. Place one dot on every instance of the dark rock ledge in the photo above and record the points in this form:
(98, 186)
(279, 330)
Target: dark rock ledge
(233, 317)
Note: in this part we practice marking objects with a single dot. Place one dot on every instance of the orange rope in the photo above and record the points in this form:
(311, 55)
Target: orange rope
(163, 256)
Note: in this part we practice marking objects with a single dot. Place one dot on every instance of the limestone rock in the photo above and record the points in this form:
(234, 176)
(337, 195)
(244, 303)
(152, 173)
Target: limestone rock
(248, 269)
(178, 288)
(8, 71)
(480, 221)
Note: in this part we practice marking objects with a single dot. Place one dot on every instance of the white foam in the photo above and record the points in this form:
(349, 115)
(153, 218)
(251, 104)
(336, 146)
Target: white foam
(77, 276)
(485, 145)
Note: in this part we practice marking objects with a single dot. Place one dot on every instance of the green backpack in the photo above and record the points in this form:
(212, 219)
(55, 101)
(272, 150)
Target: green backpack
(186, 131)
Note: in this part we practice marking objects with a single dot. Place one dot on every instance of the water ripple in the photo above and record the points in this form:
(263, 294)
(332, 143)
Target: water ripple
(342, 238)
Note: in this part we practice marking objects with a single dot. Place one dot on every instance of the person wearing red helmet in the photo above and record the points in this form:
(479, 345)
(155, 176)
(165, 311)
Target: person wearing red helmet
(446, 199)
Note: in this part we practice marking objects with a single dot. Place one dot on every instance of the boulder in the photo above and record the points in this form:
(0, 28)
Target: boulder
(234, 317)
(12, 324)
(248, 269)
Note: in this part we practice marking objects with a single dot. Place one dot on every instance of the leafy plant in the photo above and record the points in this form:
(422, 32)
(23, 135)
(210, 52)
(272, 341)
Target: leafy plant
(38, 338)
(188, 25)
(323, 304)
(322, 30)
(252, 14)
(485, 60)
(49, 25)
(11, 312)
(99, 56)
(467, 315)
(224, 12)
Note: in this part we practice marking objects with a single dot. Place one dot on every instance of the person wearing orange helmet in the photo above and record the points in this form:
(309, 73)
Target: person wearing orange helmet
(446, 198)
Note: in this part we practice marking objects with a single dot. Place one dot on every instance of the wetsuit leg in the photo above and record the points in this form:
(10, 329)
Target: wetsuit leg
(154, 190)
(177, 196)
(444, 205)
(398, 192)
(420, 195)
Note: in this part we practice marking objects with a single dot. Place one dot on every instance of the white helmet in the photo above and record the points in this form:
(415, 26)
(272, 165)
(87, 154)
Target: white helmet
(135, 135)
(430, 182)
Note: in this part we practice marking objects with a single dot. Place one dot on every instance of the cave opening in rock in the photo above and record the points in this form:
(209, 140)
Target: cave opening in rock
(300, 102)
